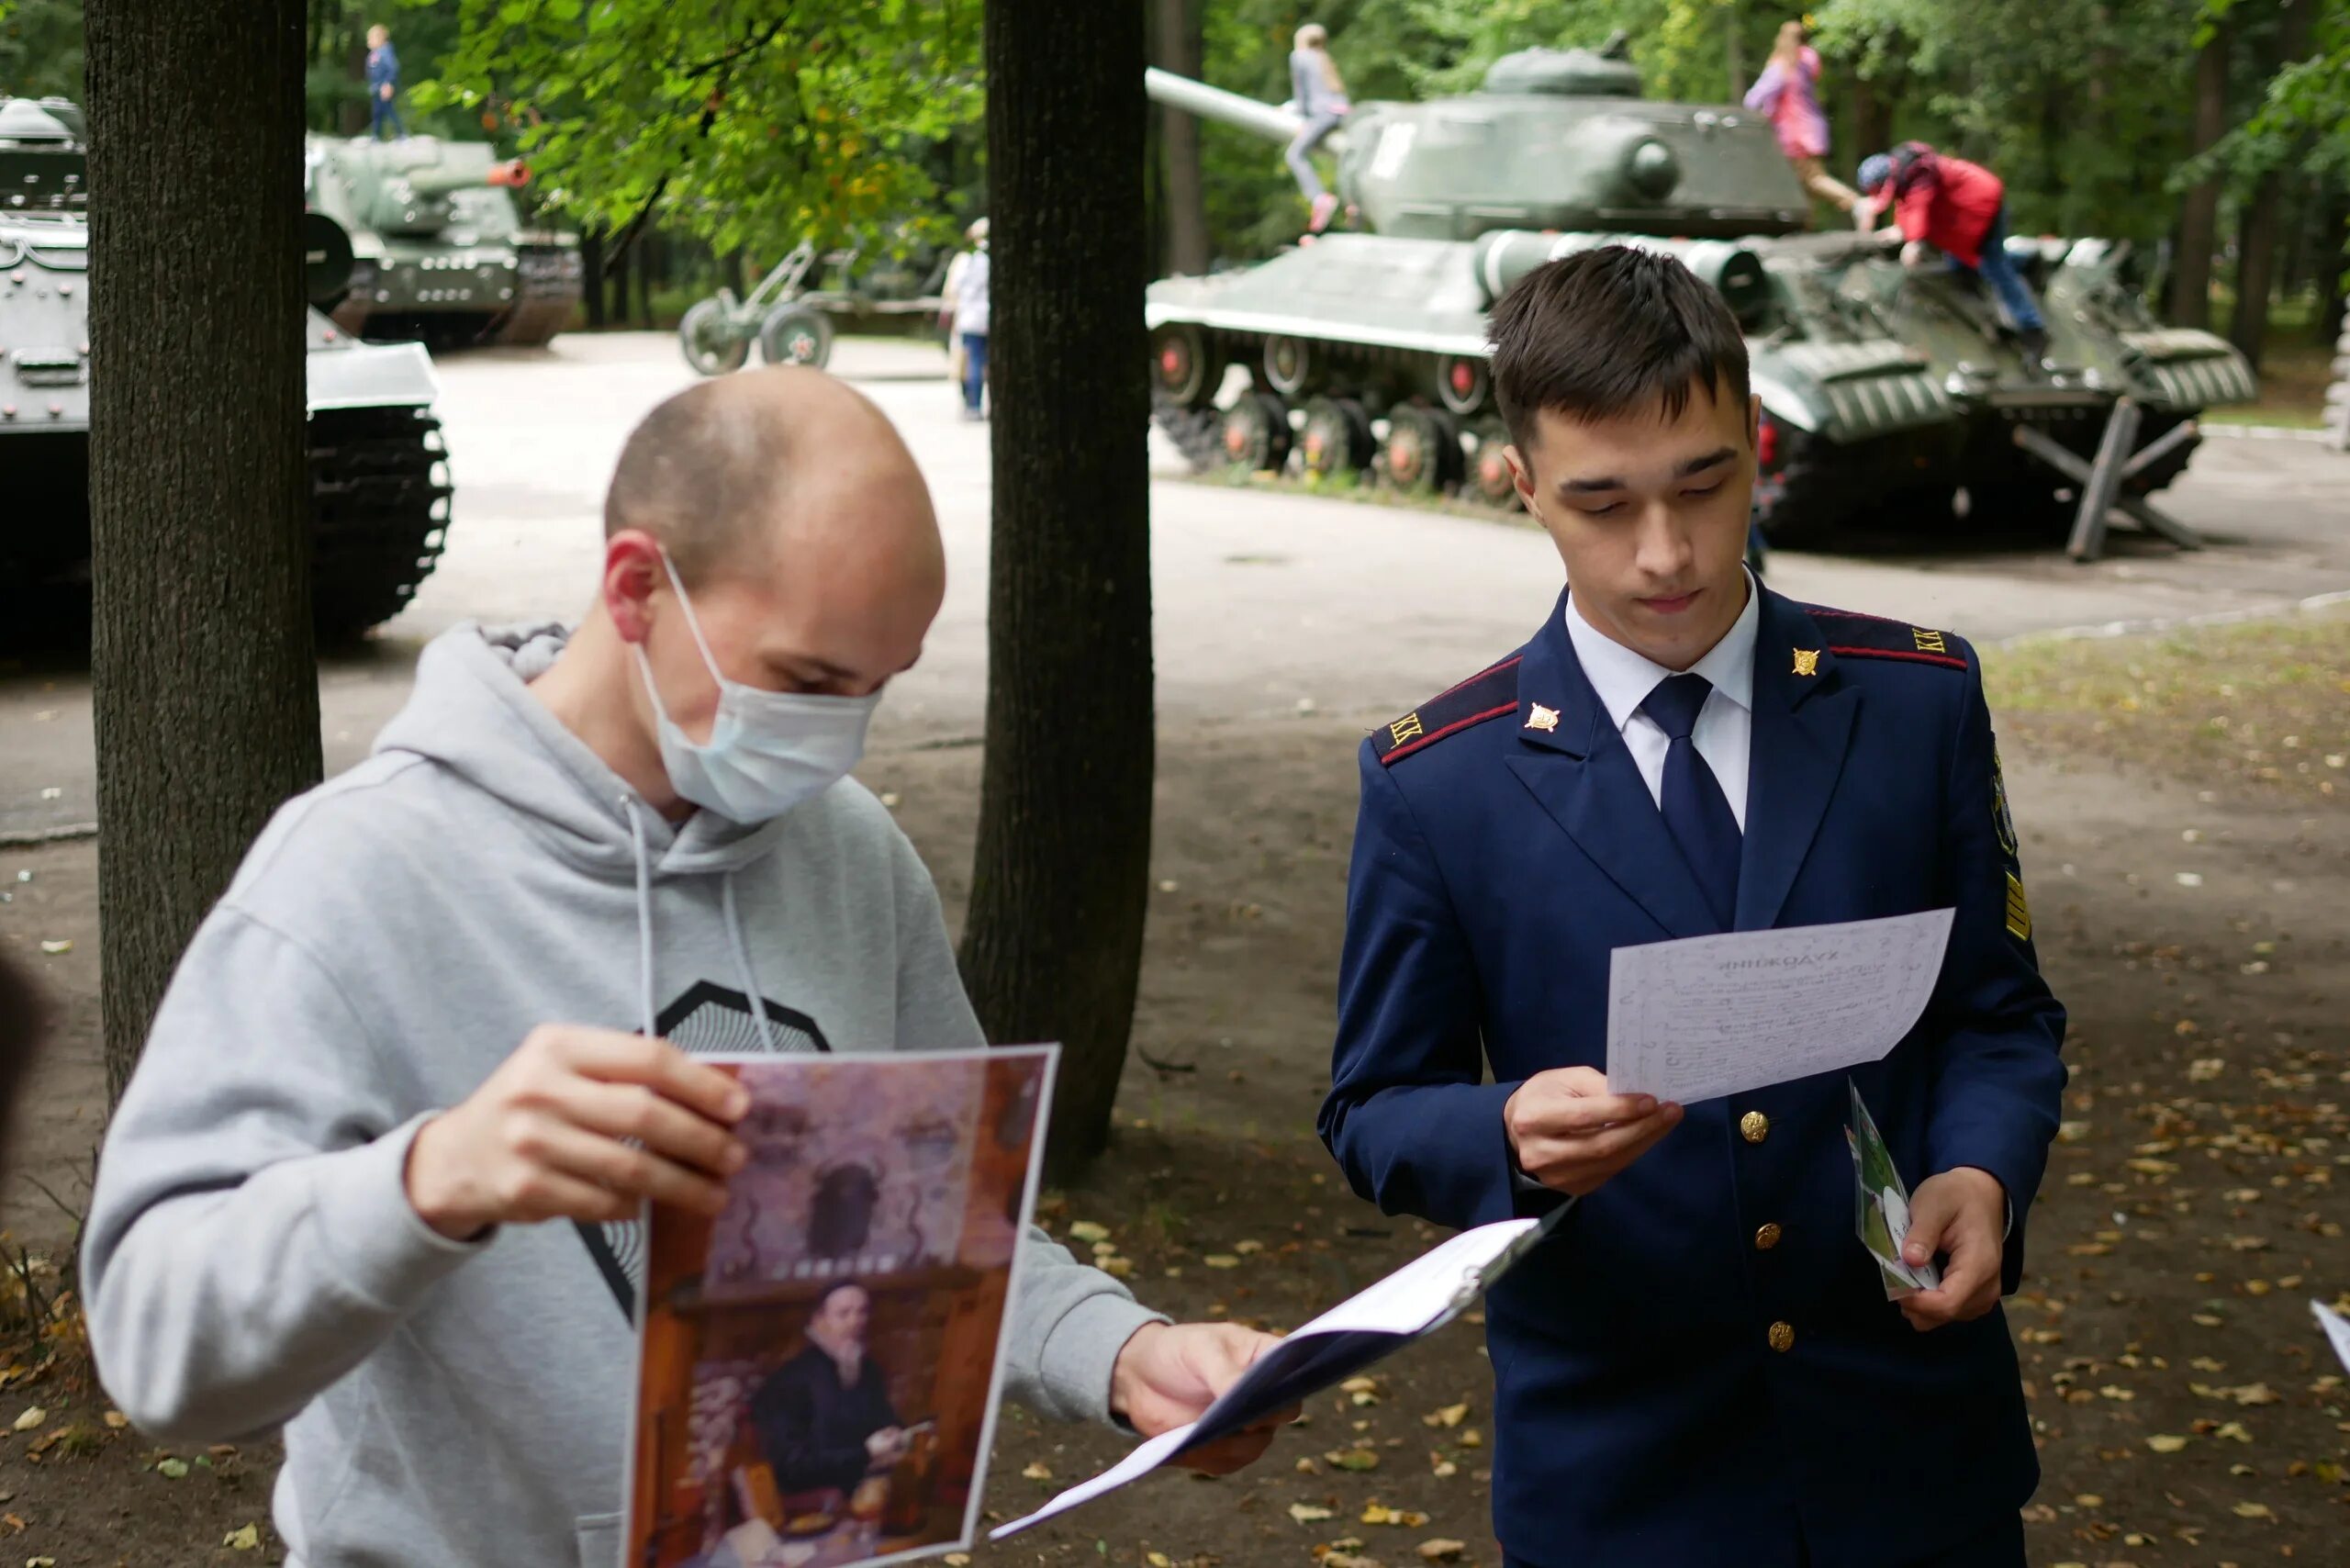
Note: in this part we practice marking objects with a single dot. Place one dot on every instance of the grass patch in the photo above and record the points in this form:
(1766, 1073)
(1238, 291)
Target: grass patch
(2260, 704)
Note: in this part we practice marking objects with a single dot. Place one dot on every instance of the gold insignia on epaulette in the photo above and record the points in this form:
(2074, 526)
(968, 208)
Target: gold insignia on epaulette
(1543, 719)
(1806, 661)
(1928, 641)
(1406, 728)
(2018, 910)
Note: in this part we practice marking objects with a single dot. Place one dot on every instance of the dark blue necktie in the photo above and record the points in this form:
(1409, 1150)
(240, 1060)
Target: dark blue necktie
(1696, 810)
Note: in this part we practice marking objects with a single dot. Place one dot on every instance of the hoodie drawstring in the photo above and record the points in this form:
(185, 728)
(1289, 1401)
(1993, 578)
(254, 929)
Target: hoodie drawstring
(643, 916)
(743, 974)
(751, 997)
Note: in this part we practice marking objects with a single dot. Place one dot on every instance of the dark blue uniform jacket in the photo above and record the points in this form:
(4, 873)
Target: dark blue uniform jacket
(1506, 845)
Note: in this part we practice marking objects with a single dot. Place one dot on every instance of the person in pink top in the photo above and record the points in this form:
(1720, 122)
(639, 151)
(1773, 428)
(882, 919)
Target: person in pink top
(1788, 93)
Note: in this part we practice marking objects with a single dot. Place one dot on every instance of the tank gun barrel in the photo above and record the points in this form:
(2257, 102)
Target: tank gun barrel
(1267, 120)
(439, 180)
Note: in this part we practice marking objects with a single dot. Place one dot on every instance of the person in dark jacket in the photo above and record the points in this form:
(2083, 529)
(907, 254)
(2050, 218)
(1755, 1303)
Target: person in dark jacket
(825, 1417)
(383, 84)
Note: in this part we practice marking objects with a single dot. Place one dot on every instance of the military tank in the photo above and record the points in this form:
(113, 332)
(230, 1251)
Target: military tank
(1885, 389)
(378, 477)
(441, 255)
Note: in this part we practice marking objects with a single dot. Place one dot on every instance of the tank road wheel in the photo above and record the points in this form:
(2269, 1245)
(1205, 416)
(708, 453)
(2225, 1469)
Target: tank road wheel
(793, 334)
(1256, 433)
(1292, 366)
(711, 346)
(1422, 450)
(1186, 369)
(1336, 438)
(1489, 479)
(1463, 384)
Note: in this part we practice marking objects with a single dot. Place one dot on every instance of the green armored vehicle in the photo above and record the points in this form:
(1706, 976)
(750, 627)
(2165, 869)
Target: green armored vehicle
(378, 478)
(441, 255)
(1884, 388)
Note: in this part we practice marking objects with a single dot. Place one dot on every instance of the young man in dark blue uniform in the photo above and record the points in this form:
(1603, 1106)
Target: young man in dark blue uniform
(1699, 1368)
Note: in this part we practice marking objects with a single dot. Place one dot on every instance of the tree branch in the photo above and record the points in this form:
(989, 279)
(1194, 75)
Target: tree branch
(749, 46)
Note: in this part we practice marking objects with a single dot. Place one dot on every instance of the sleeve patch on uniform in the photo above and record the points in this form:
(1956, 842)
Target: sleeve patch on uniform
(1853, 635)
(2002, 823)
(2018, 910)
(1487, 695)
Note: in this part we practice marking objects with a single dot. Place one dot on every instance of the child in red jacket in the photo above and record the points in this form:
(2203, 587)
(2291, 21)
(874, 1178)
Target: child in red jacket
(1960, 208)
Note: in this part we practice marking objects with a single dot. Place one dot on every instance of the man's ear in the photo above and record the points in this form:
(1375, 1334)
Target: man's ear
(632, 574)
(1521, 473)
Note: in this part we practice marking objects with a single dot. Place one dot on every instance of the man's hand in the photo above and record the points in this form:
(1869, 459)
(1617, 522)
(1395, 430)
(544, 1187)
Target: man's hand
(1962, 1212)
(543, 1138)
(887, 1446)
(1169, 1374)
(1571, 1136)
(1913, 254)
(384, 92)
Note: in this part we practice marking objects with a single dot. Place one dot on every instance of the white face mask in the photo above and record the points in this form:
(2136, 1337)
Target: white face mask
(767, 751)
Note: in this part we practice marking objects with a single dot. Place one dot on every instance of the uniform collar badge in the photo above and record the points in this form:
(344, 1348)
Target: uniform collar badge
(1806, 661)
(1543, 719)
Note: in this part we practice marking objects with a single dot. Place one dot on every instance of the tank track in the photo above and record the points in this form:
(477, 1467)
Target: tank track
(379, 506)
(546, 291)
(1194, 432)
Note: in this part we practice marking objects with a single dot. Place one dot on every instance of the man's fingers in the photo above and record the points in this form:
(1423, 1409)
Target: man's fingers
(637, 1111)
(1565, 1115)
(658, 1065)
(635, 1172)
(550, 1194)
(1620, 1140)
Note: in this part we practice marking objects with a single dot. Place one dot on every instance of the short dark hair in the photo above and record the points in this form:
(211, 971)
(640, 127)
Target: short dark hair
(1607, 332)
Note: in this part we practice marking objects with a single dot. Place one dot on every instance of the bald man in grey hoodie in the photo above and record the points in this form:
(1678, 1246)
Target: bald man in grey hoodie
(374, 1181)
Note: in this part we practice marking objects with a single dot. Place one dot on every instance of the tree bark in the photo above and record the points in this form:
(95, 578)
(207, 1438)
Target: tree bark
(1871, 118)
(1182, 47)
(591, 277)
(204, 683)
(2256, 232)
(1053, 945)
(2198, 225)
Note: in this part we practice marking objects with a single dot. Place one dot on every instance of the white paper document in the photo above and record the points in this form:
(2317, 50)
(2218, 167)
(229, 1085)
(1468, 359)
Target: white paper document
(1416, 1300)
(2337, 1328)
(1706, 1016)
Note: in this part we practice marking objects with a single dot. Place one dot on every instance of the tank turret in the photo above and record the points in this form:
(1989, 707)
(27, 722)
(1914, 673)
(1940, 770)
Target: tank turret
(1883, 386)
(1554, 139)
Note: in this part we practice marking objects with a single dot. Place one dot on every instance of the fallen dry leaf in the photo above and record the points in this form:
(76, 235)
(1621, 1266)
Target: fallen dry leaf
(1038, 1471)
(1087, 1230)
(2253, 1511)
(31, 1419)
(1221, 1260)
(2165, 1442)
(1450, 1416)
(245, 1540)
(117, 1420)
(1353, 1459)
(1377, 1513)
(1306, 1513)
(1441, 1550)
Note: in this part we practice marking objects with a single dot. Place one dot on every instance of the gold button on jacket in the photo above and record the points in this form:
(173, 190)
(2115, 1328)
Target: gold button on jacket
(1782, 1336)
(1755, 1127)
(1767, 1237)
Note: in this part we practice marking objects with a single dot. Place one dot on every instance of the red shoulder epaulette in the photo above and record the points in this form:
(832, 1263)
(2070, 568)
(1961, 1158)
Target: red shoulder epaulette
(1853, 635)
(1488, 694)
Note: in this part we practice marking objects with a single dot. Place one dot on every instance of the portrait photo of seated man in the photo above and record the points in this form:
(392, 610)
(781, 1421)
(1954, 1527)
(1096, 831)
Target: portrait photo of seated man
(823, 1417)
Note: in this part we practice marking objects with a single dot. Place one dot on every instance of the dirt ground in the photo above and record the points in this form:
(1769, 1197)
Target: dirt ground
(2182, 806)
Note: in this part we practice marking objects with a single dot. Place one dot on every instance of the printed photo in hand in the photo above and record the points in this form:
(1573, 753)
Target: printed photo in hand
(819, 1363)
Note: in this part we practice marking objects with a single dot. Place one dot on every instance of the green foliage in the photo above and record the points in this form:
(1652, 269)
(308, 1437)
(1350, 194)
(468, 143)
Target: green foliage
(40, 49)
(746, 122)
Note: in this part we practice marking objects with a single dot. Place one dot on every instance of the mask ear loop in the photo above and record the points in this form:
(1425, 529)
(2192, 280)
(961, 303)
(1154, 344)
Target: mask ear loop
(693, 624)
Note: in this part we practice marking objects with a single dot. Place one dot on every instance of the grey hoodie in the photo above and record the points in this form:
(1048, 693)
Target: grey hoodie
(252, 1262)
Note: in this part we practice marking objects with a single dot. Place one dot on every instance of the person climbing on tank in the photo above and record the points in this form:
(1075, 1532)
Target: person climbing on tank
(1959, 208)
(382, 85)
(1320, 95)
(1787, 94)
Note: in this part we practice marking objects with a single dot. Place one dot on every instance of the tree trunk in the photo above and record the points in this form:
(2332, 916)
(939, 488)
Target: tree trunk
(2198, 226)
(1053, 944)
(591, 277)
(2256, 233)
(204, 684)
(1734, 52)
(1871, 118)
(1181, 48)
(2333, 235)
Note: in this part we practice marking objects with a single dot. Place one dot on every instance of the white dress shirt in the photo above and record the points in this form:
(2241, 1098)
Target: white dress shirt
(1725, 730)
